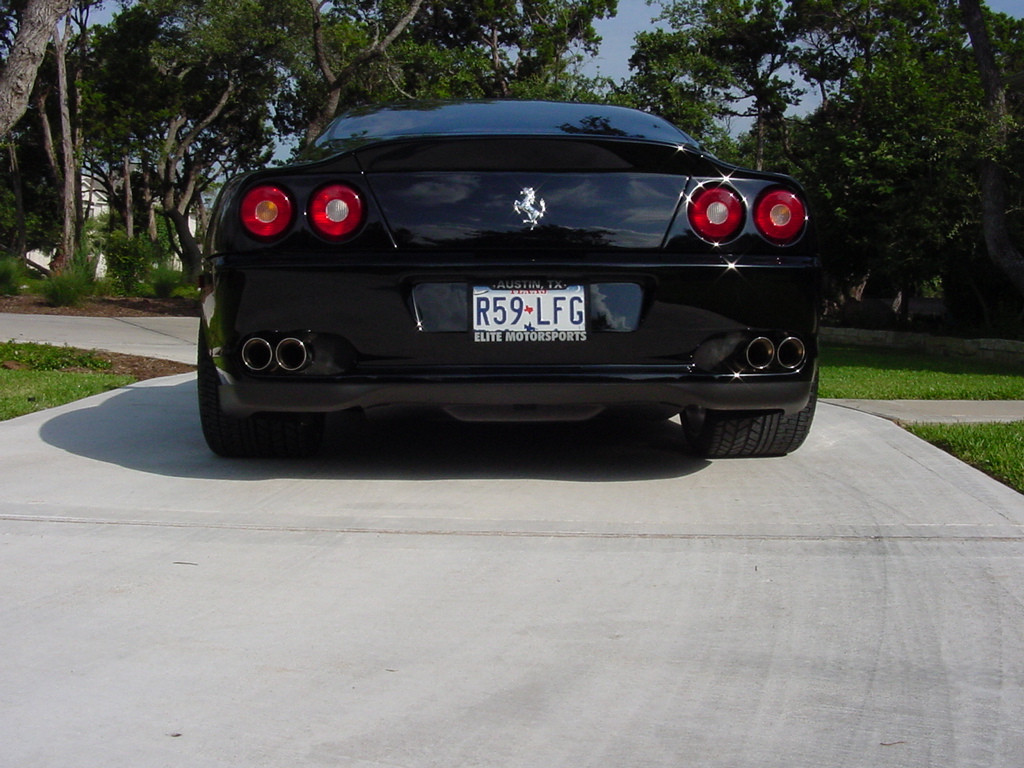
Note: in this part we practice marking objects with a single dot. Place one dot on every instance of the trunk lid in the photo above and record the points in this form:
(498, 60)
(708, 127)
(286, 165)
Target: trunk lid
(500, 193)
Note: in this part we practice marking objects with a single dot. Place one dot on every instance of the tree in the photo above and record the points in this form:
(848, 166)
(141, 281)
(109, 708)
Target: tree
(124, 107)
(885, 156)
(29, 204)
(363, 52)
(719, 59)
(181, 97)
(679, 84)
(55, 101)
(26, 54)
(1001, 248)
(335, 75)
(496, 49)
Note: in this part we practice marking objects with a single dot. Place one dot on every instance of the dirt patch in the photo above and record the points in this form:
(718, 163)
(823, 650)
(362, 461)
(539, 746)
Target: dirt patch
(103, 306)
(140, 368)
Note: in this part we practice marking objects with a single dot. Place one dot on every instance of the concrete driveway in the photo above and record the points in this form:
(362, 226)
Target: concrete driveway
(437, 594)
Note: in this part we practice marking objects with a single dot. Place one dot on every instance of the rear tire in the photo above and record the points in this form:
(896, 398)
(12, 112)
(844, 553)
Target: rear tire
(723, 434)
(262, 435)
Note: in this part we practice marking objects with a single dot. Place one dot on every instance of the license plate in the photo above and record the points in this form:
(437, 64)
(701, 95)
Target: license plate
(541, 314)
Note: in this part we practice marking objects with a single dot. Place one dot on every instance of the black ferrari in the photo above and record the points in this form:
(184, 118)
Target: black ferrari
(500, 260)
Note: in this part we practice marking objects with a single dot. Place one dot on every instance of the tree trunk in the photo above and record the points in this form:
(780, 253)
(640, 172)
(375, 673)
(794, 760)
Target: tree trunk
(21, 238)
(75, 132)
(69, 195)
(129, 213)
(47, 135)
(761, 133)
(992, 181)
(19, 73)
(190, 252)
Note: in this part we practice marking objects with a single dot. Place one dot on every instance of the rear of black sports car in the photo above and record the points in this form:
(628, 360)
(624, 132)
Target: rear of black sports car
(509, 260)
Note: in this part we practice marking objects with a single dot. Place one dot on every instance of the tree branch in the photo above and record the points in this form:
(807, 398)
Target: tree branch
(19, 72)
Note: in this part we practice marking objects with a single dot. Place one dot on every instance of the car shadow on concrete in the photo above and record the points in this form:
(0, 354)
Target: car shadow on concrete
(154, 428)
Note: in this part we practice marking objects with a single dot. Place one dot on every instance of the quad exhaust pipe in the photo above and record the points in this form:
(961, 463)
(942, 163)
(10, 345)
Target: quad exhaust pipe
(290, 354)
(791, 353)
(257, 354)
(761, 353)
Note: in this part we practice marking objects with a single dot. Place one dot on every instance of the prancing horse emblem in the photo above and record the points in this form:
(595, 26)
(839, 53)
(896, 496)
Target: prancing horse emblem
(530, 206)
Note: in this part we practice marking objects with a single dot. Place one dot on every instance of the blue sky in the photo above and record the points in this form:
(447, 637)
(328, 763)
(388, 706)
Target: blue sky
(636, 15)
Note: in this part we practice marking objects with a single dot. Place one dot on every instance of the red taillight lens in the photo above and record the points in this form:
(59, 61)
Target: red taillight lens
(266, 211)
(780, 215)
(715, 213)
(336, 211)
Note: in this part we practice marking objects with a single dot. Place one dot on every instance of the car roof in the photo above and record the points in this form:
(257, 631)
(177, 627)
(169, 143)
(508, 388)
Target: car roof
(421, 119)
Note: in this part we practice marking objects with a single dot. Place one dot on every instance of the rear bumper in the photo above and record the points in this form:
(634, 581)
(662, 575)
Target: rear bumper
(377, 339)
(519, 400)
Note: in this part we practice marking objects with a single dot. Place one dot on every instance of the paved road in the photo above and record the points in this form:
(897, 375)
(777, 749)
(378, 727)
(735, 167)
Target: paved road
(168, 338)
(432, 594)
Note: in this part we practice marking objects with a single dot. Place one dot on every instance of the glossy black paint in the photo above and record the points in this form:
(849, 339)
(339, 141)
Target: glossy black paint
(385, 313)
(441, 119)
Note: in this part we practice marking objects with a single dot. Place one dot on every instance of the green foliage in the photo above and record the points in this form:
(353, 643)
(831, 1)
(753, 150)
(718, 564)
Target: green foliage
(12, 276)
(39, 220)
(165, 281)
(682, 91)
(717, 60)
(67, 289)
(44, 357)
(495, 49)
(129, 261)
(181, 92)
(887, 158)
(889, 155)
(885, 374)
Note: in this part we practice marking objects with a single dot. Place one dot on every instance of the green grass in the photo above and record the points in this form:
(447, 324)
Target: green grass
(883, 374)
(45, 377)
(43, 357)
(997, 449)
(24, 392)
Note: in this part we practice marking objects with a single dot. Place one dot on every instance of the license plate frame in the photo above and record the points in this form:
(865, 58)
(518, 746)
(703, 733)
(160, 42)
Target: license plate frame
(511, 311)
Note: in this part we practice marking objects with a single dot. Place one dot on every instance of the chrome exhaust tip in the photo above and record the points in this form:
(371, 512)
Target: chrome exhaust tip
(257, 354)
(791, 353)
(292, 354)
(760, 353)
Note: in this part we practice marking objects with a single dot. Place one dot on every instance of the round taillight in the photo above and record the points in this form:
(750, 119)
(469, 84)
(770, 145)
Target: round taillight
(715, 213)
(780, 215)
(336, 211)
(266, 211)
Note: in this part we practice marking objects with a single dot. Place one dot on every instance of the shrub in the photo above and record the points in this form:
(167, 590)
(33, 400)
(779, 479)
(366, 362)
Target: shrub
(187, 290)
(128, 260)
(104, 286)
(67, 289)
(165, 281)
(12, 276)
